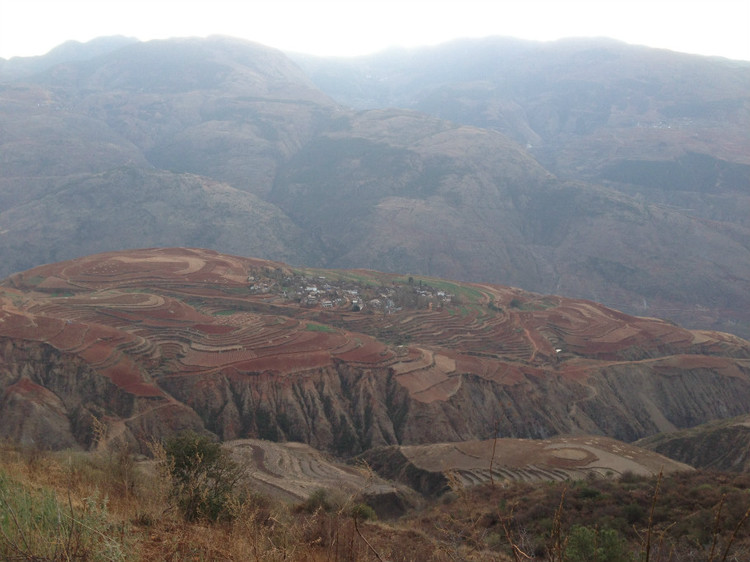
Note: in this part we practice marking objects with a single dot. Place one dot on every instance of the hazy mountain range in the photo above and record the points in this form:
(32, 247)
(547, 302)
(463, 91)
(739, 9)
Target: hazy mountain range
(583, 168)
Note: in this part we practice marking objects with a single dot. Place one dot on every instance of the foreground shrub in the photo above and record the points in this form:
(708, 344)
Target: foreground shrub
(363, 512)
(203, 476)
(585, 544)
(318, 500)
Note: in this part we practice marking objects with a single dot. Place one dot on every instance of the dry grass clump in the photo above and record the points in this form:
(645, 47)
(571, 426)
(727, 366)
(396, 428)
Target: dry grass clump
(109, 505)
(105, 506)
(698, 516)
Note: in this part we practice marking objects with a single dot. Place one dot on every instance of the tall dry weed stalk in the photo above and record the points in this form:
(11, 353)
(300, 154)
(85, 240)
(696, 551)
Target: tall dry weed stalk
(733, 536)
(559, 542)
(454, 483)
(157, 485)
(646, 554)
(717, 521)
(492, 457)
(516, 550)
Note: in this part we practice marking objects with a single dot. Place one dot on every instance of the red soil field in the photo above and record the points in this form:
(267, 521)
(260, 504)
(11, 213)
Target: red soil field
(179, 310)
(286, 363)
(70, 336)
(125, 375)
(214, 329)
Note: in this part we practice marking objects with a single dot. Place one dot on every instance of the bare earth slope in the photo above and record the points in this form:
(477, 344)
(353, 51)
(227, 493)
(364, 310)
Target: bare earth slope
(152, 341)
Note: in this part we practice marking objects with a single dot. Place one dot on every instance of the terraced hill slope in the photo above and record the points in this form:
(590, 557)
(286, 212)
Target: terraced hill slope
(152, 341)
(431, 469)
(293, 471)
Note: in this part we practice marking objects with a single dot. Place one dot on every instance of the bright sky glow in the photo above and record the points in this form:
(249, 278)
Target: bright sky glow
(356, 27)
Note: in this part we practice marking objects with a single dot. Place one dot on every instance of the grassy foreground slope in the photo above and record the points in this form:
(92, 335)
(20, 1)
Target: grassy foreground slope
(105, 506)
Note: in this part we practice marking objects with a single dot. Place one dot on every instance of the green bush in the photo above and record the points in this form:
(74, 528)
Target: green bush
(634, 513)
(593, 545)
(203, 476)
(363, 512)
(318, 500)
(589, 493)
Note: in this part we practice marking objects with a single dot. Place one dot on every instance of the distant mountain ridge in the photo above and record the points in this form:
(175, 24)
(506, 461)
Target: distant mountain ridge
(70, 51)
(668, 127)
(632, 192)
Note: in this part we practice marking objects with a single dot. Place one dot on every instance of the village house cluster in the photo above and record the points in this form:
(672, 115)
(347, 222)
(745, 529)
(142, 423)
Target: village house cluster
(320, 292)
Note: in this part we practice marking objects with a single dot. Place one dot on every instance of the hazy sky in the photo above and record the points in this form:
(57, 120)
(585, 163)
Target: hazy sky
(354, 27)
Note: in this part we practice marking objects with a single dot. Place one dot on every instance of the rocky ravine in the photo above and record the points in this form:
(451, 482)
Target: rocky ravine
(153, 341)
(716, 445)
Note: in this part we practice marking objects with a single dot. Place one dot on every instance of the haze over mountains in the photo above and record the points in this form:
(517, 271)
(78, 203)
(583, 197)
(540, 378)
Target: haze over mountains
(583, 168)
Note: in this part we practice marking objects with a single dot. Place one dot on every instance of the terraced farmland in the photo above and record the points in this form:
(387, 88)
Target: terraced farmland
(293, 470)
(345, 361)
(470, 463)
